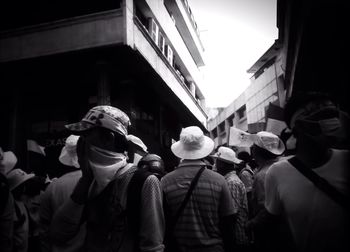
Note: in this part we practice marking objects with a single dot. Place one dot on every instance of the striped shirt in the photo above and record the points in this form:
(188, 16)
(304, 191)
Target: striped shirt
(198, 226)
(240, 204)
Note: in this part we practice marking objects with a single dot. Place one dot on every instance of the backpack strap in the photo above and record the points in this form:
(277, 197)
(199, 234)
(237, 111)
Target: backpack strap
(187, 197)
(133, 204)
(320, 183)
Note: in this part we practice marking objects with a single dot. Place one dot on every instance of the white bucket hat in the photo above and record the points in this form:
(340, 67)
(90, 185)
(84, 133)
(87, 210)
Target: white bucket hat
(8, 160)
(193, 144)
(269, 142)
(17, 177)
(137, 143)
(69, 152)
(227, 155)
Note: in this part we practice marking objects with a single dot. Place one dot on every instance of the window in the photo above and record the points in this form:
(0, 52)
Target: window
(169, 54)
(241, 112)
(186, 3)
(214, 133)
(222, 127)
(153, 30)
(161, 43)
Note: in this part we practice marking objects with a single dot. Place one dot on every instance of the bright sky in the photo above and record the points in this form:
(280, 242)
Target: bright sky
(235, 34)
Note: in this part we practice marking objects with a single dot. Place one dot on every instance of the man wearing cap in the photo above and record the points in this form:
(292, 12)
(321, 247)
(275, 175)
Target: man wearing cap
(8, 160)
(102, 190)
(317, 220)
(226, 165)
(266, 149)
(206, 222)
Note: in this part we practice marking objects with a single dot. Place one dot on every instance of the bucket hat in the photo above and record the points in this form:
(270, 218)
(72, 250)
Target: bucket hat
(269, 142)
(193, 144)
(68, 154)
(17, 177)
(227, 155)
(137, 143)
(8, 160)
(102, 116)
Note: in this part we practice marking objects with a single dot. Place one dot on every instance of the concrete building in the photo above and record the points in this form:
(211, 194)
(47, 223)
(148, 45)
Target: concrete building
(233, 115)
(267, 86)
(248, 111)
(59, 58)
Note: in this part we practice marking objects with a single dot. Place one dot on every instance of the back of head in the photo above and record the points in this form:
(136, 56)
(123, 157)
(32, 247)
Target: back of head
(314, 119)
(260, 153)
(152, 163)
(310, 102)
(245, 156)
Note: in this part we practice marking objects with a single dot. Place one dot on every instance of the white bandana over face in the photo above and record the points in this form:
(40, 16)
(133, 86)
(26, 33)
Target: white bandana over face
(105, 164)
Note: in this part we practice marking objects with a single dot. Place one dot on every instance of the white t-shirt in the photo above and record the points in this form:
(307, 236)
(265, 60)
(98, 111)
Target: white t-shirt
(316, 221)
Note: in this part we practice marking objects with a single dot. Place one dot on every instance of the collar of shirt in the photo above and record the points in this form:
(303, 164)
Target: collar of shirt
(191, 163)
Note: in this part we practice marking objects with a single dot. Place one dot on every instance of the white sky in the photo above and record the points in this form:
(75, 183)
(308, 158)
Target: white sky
(235, 34)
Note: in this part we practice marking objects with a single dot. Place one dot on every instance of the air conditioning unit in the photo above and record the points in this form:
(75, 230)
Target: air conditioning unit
(169, 54)
(161, 43)
(153, 30)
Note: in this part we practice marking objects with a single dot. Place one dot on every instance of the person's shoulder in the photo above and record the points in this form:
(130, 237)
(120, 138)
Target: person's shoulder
(340, 156)
(281, 165)
(341, 153)
(151, 179)
(214, 177)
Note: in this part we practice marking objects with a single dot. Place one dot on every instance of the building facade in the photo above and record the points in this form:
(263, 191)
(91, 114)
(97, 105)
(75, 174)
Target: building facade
(248, 111)
(59, 59)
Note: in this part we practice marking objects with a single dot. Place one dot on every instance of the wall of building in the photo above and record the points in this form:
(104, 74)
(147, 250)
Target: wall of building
(261, 91)
(248, 111)
(100, 58)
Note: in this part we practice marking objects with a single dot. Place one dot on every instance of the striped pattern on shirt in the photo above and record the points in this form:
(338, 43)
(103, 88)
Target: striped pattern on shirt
(198, 226)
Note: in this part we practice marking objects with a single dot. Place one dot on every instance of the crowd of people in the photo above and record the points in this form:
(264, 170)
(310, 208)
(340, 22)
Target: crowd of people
(284, 194)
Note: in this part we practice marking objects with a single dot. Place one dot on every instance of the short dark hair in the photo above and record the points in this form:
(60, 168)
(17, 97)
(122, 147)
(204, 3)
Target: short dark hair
(244, 155)
(265, 154)
(301, 99)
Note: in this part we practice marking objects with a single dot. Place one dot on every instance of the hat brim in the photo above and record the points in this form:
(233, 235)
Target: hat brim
(21, 181)
(137, 144)
(67, 160)
(180, 151)
(235, 161)
(277, 151)
(80, 127)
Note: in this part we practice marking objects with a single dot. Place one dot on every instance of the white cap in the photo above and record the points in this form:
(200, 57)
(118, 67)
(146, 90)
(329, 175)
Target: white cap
(69, 152)
(17, 177)
(227, 155)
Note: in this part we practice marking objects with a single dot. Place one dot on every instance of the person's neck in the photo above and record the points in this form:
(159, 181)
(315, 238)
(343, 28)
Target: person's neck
(265, 162)
(313, 156)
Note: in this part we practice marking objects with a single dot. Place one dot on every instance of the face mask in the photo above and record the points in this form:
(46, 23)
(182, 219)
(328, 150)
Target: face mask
(105, 164)
(323, 131)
